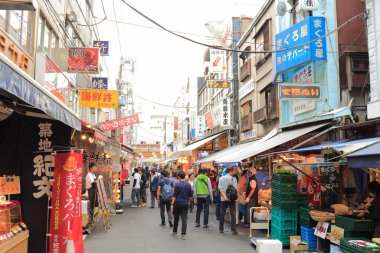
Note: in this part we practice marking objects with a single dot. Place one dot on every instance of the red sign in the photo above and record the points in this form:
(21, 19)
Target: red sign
(209, 120)
(176, 126)
(83, 60)
(66, 213)
(313, 190)
(120, 123)
(100, 136)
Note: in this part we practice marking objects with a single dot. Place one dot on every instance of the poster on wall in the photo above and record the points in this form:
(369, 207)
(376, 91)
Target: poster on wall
(66, 214)
(83, 60)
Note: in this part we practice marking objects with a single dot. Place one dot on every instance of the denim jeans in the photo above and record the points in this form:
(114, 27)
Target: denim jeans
(180, 209)
(223, 207)
(136, 197)
(217, 206)
(202, 203)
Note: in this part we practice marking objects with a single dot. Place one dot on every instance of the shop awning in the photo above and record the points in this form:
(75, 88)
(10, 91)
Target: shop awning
(368, 157)
(200, 143)
(268, 143)
(18, 84)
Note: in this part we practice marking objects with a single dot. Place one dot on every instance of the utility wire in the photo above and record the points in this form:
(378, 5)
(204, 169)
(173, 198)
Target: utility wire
(117, 29)
(170, 106)
(241, 51)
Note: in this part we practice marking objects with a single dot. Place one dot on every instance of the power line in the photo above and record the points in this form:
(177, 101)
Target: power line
(117, 28)
(170, 106)
(241, 51)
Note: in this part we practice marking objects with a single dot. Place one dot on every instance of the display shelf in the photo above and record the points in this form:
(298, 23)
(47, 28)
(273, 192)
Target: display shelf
(17, 244)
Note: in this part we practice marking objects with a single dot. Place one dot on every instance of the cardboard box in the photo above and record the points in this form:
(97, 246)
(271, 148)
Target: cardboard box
(297, 244)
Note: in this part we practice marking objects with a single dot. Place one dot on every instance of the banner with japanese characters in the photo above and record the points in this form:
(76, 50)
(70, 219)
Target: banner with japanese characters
(83, 60)
(313, 191)
(28, 155)
(98, 98)
(103, 45)
(225, 112)
(66, 212)
(120, 123)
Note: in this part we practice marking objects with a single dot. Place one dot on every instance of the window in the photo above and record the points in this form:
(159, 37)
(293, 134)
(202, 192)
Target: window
(19, 25)
(360, 62)
(263, 42)
(244, 56)
(48, 40)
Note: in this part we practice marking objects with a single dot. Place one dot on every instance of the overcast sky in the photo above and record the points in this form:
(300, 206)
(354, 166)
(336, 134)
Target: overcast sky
(163, 62)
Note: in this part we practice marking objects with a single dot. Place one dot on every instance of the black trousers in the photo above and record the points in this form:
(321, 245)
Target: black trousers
(163, 206)
(91, 198)
(223, 207)
(180, 210)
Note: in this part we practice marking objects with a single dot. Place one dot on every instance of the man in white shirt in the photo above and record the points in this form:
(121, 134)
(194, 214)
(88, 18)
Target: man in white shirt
(91, 189)
(136, 192)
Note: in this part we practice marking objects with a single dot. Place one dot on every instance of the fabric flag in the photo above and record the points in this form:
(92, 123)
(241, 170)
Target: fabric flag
(66, 214)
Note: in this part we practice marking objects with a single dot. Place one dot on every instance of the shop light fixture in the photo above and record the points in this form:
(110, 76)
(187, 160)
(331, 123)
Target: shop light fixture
(91, 140)
(83, 137)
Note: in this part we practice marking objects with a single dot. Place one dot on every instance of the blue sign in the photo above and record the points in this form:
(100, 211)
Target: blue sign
(305, 42)
(99, 83)
(103, 45)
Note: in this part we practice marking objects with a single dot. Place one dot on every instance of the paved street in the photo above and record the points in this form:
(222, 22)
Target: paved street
(138, 230)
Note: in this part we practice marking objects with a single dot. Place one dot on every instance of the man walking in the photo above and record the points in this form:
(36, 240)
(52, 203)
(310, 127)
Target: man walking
(180, 203)
(153, 187)
(136, 191)
(164, 197)
(203, 197)
(91, 189)
(144, 181)
(228, 193)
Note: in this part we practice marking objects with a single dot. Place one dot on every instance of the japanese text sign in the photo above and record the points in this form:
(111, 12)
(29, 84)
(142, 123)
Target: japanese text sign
(299, 92)
(225, 121)
(83, 60)
(120, 123)
(99, 83)
(218, 84)
(218, 61)
(98, 98)
(9, 185)
(66, 212)
(305, 41)
(103, 45)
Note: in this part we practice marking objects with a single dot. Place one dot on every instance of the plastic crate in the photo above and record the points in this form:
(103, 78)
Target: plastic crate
(283, 235)
(283, 223)
(304, 212)
(283, 187)
(309, 250)
(284, 214)
(283, 196)
(309, 223)
(285, 205)
(346, 244)
(284, 178)
(353, 224)
(356, 234)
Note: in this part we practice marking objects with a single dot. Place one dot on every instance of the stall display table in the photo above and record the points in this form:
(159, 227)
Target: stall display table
(17, 244)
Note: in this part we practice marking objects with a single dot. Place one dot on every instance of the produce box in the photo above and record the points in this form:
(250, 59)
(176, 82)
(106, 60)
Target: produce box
(297, 245)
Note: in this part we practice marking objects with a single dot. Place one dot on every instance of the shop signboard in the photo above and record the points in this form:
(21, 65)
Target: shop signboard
(246, 89)
(66, 212)
(16, 54)
(300, 43)
(9, 185)
(223, 84)
(225, 112)
(248, 135)
(98, 98)
(299, 92)
(218, 62)
(98, 135)
(209, 120)
(83, 60)
(120, 123)
(99, 83)
(103, 46)
(304, 75)
(200, 126)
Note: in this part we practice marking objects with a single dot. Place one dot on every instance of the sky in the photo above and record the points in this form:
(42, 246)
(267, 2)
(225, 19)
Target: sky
(163, 62)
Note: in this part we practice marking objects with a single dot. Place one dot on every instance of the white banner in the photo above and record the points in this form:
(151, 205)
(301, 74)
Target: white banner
(225, 109)
(200, 126)
(246, 89)
(218, 63)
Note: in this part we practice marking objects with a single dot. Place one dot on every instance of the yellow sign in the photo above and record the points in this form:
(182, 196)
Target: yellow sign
(9, 185)
(218, 84)
(98, 98)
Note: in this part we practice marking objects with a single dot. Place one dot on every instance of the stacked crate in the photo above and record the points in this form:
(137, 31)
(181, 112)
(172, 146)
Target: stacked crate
(355, 227)
(284, 207)
(305, 219)
(355, 245)
(307, 235)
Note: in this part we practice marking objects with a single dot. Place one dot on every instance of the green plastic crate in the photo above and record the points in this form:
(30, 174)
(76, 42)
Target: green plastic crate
(283, 187)
(284, 178)
(284, 223)
(284, 214)
(309, 223)
(347, 245)
(283, 235)
(285, 205)
(283, 196)
(353, 224)
(356, 234)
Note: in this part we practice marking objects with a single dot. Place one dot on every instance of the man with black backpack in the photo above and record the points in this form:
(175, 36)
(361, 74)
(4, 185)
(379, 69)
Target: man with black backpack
(164, 197)
(154, 178)
(228, 193)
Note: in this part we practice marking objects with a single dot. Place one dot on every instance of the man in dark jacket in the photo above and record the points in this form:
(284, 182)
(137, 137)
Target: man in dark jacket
(144, 181)
(153, 187)
(374, 209)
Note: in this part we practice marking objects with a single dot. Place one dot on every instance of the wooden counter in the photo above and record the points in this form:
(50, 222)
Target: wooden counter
(18, 244)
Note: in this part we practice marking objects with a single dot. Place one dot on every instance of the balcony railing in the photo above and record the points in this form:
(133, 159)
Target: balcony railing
(260, 115)
(246, 123)
(246, 70)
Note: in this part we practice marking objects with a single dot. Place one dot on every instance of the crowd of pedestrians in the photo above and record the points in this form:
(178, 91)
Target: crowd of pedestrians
(176, 194)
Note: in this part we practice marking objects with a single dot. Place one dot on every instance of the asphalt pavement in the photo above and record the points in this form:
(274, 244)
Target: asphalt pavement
(137, 230)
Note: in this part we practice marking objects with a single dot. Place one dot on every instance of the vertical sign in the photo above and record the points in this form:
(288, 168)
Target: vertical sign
(102, 45)
(218, 63)
(66, 214)
(99, 83)
(225, 112)
(200, 126)
(304, 75)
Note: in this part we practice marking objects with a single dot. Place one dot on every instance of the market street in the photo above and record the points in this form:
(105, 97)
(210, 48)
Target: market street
(138, 230)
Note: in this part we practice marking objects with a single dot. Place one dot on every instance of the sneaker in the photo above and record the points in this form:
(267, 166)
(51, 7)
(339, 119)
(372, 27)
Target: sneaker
(152, 207)
(197, 225)
(183, 237)
(133, 206)
(175, 234)
(205, 226)
(162, 224)
(234, 232)
(221, 231)
(138, 206)
(170, 224)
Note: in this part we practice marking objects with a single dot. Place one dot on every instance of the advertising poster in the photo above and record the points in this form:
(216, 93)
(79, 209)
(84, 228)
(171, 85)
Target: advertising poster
(98, 98)
(103, 46)
(66, 212)
(99, 83)
(83, 60)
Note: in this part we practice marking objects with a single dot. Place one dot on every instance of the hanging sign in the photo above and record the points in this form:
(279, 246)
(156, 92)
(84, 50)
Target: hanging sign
(9, 185)
(98, 98)
(200, 126)
(225, 121)
(102, 45)
(299, 92)
(99, 83)
(66, 212)
(120, 123)
(218, 61)
(218, 84)
(83, 60)
(303, 75)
